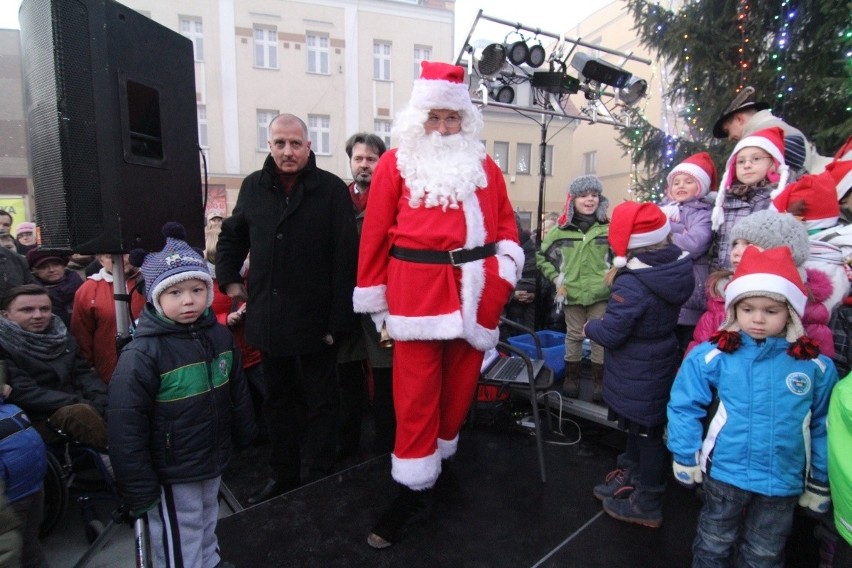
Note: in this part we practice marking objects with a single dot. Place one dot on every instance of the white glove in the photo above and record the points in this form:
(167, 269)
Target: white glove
(687, 475)
(816, 497)
(379, 319)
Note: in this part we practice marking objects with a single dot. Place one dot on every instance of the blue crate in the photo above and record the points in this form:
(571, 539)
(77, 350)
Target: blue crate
(552, 347)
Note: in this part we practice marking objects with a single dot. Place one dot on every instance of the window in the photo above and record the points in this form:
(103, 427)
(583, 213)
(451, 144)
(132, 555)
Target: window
(264, 117)
(523, 166)
(548, 160)
(266, 47)
(319, 133)
(590, 161)
(421, 53)
(191, 29)
(383, 131)
(202, 126)
(381, 60)
(501, 155)
(317, 53)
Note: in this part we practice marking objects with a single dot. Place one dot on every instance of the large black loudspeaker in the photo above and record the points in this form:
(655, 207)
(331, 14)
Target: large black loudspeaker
(111, 116)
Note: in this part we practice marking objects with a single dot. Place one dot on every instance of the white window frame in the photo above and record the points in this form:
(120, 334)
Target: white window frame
(421, 53)
(191, 28)
(265, 41)
(382, 60)
(202, 126)
(548, 159)
(318, 53)
(501, 155)
(319, 133)
(264, 117)
(590, 162)
(523, 151)
(382, 129)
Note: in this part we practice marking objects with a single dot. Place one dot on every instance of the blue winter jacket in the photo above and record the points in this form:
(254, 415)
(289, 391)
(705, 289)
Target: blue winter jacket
(769, 431)
(23, 457)
(637, 331)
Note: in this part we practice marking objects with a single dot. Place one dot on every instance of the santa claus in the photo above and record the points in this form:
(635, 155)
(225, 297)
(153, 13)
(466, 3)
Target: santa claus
(439, 258)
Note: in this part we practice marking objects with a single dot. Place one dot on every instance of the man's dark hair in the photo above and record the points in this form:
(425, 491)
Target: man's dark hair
(373, 142)
(22, 290)
(4, 213)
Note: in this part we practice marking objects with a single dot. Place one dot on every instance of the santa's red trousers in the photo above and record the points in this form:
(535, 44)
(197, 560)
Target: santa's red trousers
(433, 386)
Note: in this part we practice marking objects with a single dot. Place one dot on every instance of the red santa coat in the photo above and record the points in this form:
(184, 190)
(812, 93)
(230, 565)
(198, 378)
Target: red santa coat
(437, 301)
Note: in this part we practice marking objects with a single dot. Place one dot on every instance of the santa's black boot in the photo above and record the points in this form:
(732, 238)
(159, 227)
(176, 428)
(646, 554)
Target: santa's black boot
(409, 508)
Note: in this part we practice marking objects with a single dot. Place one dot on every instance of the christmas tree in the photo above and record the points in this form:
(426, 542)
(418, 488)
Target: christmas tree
(795, 54)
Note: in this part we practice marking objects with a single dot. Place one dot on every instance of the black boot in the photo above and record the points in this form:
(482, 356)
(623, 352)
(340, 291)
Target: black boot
(619, 483)
(409, 508)
(571, 386)
(643, 507)
(597, 379)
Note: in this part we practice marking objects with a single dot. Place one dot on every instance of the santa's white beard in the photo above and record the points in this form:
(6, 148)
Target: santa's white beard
(441, 170)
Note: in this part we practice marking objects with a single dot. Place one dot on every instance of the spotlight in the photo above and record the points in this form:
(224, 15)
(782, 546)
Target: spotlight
(491, 60)
(518, 52)
(596, 70)
(633, 91)
(504, 94)
(536, 56)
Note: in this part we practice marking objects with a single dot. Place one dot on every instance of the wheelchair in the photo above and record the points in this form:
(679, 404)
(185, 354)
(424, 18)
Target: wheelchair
(79, 472)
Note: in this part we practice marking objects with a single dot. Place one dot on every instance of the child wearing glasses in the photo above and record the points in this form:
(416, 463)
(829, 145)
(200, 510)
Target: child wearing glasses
(755, 172)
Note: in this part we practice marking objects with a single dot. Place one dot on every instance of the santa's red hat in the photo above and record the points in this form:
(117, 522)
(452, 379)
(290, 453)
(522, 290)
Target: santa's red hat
(841, 169)
(767, 272)
(771, 140)
(440, 86)
(811, 197)
(636, 225)
(701, 167)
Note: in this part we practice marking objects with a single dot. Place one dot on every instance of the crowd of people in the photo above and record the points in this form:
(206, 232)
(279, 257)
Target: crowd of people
(718, 322)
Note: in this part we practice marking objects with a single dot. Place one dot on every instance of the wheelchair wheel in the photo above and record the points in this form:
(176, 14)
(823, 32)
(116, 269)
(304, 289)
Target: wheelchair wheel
(55, 496)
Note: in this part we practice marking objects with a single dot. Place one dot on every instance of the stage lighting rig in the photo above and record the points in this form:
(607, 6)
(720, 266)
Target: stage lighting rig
(596, 70)
(632, 92)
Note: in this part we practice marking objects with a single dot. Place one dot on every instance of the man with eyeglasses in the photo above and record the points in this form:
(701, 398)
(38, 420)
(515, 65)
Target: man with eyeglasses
(439, 258)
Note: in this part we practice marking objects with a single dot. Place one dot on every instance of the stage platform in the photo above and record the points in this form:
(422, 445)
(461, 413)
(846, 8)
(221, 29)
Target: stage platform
(495, 513)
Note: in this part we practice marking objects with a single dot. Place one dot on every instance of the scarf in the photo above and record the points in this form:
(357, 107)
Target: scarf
(48, 345)
(584, 222)
(746, 192)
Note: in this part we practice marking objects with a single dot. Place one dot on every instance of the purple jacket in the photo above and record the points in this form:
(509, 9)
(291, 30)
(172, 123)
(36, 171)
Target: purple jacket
(637, 332)
(693, 232)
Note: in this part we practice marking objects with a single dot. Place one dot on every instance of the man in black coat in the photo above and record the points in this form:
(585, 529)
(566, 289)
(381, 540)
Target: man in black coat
(297, 221)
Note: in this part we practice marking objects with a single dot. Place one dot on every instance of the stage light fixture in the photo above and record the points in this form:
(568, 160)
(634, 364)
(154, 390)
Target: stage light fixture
(555, 82)
(518, 52)
(503, 94)
(536, 56)
(596, 70)
(491, 60)
(632, 92)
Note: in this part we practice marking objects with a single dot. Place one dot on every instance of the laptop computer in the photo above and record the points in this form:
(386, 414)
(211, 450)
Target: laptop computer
(512, 370)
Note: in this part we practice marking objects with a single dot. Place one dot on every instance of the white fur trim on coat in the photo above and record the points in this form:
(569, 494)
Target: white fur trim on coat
(447, 448)
(513, 250)
(413, 328)
(370, 300)
(416, 473)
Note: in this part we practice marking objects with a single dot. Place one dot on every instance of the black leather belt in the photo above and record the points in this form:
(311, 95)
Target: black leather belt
(454, 257)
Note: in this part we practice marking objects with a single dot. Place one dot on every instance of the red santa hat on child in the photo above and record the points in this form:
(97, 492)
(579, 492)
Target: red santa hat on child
(811, 197)
(701, 167)
(771, 273)
(840, 169)
(635, 225)
(770, 140)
